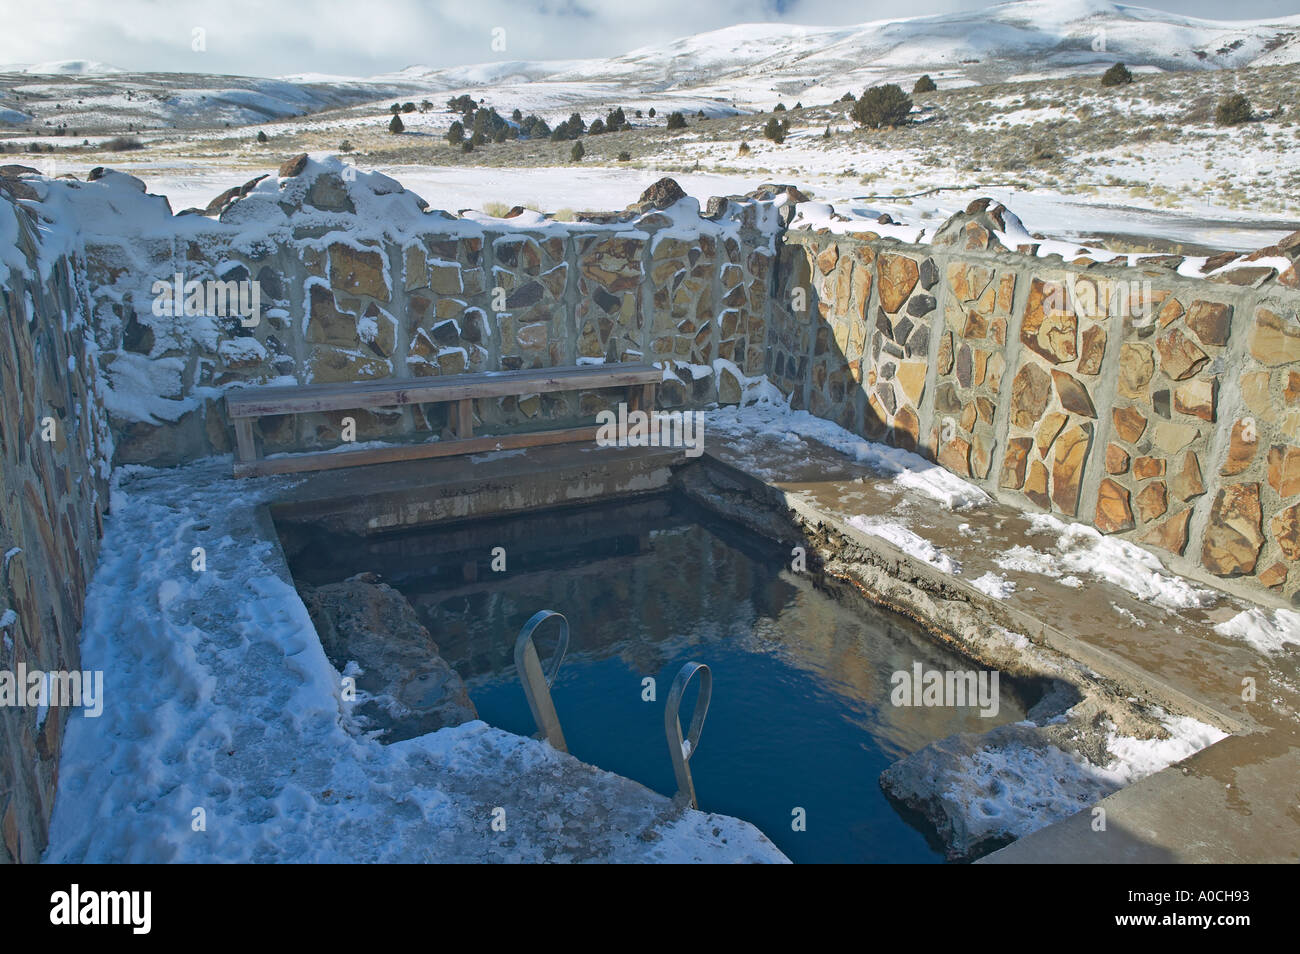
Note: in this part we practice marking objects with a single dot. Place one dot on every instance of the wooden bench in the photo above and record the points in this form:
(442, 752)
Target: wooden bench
(248, 404)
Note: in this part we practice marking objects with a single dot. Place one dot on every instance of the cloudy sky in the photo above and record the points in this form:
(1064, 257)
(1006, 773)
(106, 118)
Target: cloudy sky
(366, 37)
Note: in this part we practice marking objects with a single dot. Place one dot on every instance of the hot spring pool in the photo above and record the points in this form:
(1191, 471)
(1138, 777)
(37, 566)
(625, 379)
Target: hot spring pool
(801, 716)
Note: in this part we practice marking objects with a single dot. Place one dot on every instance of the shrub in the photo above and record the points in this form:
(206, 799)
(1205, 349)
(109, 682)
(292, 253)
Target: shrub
(261, 136)
(517, 116)
(924, 85)
(743, 150)
(479, 138)
(625, 156)
(116, 144)
(638, 113)
(462, 104)
(798, 105)
(779, 108)
(576, 124)
(882, 106)
(395, 108)
(597, 127)
(775, 129)
(345, 145)
(1233, 110)
(577, 152)
(1117, 75)
(500, 135)
(847, 98)
(467, 146)
(408, 107)
(676, 121)
(396, 126)
(651, 114)
(456, 133)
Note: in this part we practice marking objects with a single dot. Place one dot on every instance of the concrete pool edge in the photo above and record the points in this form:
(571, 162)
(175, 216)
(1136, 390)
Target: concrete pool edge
(1249, 769)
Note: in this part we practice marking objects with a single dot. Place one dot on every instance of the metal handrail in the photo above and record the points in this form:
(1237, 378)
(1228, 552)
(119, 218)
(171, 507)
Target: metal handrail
(681, 750)
(537, 684)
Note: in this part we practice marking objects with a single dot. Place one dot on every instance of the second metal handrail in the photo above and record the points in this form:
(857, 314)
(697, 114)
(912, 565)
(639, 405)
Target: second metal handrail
(681, 749)
(537, 684)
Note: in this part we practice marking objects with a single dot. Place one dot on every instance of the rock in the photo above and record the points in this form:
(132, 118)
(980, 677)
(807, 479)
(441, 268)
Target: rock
(911, 378)
(981, 456)
(1093, 350)
(661, 195)
(1210, 320)
(965, 366)
(1197, 397)
(293, 166)
(1255, 393)
(355, 272)
(1129, 423)
(955, 455)
(223, 201)
(968, 281)
(929, 274)
(1274, 340)
(1012, 475)
(1113, 512)
(1232, 538)
(1074, 396)
(826, 259)
(945, 358)
(1242, 444)
(1170, 535)
(1274, 576)
(1136, 366)
(614, 263)
(329, 194)
(1048, 328)
(371, 624)
(1152, 502)
(1144, 468)
(1188, 483)
(1048, 431)
(1067, 467)
(1116, 459)
(1286, 530)
(897, 276)
(1284, 469)
(1179, 356)
(907, 428)
(1036, 485)
(1172, 438)
(1031, 389)
(1291, 392)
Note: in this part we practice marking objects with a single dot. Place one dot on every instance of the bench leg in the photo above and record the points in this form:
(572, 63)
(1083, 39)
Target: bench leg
(245, 447)
(648, 398)
(633, 398)
(464, 419)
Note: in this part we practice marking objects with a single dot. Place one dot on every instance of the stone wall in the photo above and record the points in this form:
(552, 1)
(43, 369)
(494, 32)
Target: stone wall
(54, 451)
(1156, 398)
(359, 280)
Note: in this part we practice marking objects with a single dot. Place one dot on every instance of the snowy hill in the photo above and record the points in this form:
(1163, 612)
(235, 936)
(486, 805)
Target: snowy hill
(753, 63)
(736, 69)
